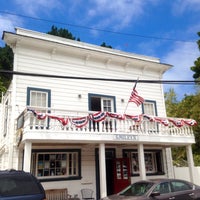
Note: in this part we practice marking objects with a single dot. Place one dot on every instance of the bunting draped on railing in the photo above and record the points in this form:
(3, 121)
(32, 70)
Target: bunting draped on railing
(80, 121)
(101, 116)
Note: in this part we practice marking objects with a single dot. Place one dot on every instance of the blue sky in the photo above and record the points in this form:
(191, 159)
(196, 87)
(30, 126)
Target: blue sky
(165, 29)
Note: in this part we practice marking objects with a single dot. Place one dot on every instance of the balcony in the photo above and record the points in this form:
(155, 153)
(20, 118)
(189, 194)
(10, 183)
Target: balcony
(66, 126)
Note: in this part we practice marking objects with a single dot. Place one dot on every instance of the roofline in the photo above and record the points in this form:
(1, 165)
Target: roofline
(82, 45)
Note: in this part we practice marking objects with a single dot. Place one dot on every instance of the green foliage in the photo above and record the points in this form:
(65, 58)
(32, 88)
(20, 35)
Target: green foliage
(196, 159)
(179, 157)
(171, 103)
(61, 32)
(105, 45)
(188, 107)
(6, 63)
(196, 67)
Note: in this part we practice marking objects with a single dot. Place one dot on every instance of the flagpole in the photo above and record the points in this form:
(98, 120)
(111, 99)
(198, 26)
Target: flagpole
(133, 89)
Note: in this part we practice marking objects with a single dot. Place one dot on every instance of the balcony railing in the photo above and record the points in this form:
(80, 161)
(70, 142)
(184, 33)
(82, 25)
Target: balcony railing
(95, 122)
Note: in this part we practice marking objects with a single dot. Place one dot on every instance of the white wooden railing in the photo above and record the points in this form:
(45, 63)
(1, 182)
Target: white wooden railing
(27, 121)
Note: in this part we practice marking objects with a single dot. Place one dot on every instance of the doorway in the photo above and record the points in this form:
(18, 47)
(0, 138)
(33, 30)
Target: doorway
(121, 174)
(110, 156)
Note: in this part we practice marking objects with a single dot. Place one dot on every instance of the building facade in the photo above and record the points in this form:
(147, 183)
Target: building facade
(66, 117)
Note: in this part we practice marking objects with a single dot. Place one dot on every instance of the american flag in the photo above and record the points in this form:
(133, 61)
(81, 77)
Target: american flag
(135, 98)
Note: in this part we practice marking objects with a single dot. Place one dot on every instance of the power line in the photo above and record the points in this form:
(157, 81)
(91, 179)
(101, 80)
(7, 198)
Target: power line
(96, 29)
(183, 82)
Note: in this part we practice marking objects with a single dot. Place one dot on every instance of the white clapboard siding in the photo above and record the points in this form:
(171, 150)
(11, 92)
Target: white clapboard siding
(65, 91)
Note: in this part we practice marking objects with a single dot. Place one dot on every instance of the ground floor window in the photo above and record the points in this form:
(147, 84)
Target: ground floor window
(56, 164)
(153, 161)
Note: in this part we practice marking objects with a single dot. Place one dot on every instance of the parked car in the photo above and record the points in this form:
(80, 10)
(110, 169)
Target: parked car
(164, 189)
(20, 185)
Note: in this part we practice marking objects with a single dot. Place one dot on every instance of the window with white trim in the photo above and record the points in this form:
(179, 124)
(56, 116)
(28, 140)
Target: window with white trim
(149, 108)
(38, 99)
(107, 104)
(56, 164)
(103, 103)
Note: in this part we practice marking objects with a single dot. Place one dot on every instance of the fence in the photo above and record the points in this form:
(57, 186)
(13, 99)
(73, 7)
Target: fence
(183, 173)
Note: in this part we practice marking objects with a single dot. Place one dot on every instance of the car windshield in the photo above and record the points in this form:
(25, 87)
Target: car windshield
(18, 185)
(137, 189)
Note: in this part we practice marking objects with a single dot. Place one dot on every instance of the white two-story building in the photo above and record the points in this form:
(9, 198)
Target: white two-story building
(66, 118)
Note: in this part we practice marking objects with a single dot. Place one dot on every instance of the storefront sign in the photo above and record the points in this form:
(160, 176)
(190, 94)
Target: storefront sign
(126, 137)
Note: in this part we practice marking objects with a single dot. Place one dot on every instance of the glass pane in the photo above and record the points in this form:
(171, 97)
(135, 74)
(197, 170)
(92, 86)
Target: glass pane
(150, 162)
(38, 98)
(125, 170)
(107, 105)
(118, 170)
(135, 163)
(149, 108)
(57, 164)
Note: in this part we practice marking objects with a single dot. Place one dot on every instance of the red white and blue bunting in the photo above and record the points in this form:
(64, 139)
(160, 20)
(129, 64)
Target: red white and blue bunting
(80, 122)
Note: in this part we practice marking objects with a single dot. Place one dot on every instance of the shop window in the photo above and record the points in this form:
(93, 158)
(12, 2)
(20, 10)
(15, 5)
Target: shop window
(62, 164)
(153, 162)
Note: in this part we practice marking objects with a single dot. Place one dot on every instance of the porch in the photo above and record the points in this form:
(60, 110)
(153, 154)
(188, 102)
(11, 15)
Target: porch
(37, 126)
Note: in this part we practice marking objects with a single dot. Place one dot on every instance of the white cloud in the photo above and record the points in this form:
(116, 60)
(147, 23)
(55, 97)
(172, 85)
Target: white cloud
(8, 23)
(118, 14)
(181, 6)
(182, 57)
(33, 7)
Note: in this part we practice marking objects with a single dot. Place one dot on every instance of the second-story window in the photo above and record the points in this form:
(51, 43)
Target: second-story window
(40, 100)
(105, 104)
(101, 103)
(149, 108)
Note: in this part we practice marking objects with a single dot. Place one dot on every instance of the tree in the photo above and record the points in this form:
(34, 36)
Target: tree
(66, 34)
(6, 63)
(188, 107)
(105, 45)
(61, 32)
(196, 67)
(171, 103)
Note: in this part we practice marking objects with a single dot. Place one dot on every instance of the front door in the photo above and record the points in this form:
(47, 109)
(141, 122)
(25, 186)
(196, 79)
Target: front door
(110, 155)
(121, 174)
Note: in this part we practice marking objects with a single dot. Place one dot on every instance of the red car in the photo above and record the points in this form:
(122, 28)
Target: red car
(165, 189)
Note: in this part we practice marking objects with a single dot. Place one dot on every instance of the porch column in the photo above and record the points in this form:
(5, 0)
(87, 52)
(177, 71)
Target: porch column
(141, 161)
(190, 162)
(102, 170)
(27, 157)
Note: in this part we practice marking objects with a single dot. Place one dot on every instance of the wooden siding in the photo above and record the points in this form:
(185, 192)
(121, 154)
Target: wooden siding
(65, 91)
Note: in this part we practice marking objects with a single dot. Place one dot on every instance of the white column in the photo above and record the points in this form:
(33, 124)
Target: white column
(141, 161)
(169, 163)
(102, 171)
(190, 162)
(27, 157)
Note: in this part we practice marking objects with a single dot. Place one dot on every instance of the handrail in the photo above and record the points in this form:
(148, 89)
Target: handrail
(69, 122)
